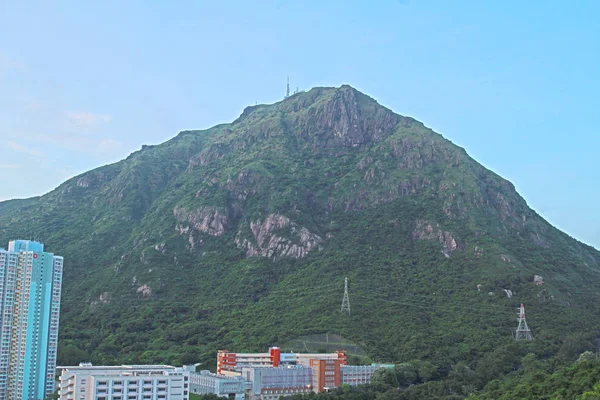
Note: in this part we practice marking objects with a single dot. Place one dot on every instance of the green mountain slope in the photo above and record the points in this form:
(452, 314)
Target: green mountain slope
(240, 237)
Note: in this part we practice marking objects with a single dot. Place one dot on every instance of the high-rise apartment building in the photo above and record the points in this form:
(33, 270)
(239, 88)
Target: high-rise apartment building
(30, 288)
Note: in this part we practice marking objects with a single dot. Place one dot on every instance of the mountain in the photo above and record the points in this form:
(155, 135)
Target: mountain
(240, 237)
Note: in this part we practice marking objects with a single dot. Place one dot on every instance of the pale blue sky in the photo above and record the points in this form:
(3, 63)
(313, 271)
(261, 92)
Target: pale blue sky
(515, 83)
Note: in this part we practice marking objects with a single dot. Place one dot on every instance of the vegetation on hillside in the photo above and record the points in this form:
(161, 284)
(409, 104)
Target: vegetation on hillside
(240, 237)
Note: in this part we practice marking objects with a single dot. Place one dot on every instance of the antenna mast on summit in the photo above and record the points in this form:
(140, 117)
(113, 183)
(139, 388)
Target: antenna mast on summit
(523, 332)
(346, 300)
(287, 93)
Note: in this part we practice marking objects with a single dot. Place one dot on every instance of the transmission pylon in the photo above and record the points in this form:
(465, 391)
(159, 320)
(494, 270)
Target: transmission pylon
(346, 300)
(523, 332)
(287, 93)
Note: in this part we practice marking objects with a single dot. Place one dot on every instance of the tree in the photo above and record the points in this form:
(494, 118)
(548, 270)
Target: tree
(406, 374)
(530, 364)
(385, 376)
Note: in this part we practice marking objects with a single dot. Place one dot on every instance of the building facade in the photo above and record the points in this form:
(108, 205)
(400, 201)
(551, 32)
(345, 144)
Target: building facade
(325, 374)
(234, 362)
(125, 382)
(274, 374)
(270, 383)
(355, 375)
(205, 382)
(30, 290)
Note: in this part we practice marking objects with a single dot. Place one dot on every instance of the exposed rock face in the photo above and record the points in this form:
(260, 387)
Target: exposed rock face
(342, 120)
(206, 156)
(91, 179)
(104, 297)
(539, 240)
(433, 231)
(210, 220)
(144, 291)
(269, 241)
(343, 116)
(83, 181)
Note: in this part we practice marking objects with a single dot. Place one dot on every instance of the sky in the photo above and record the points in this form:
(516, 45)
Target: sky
(517, 84)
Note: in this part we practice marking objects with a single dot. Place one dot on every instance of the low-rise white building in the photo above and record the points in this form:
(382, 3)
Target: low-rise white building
(124, 382)
(205, 382)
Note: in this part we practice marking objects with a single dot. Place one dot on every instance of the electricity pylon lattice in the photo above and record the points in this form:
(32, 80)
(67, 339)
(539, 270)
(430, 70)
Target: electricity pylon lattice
(523, 332)
(346, 300)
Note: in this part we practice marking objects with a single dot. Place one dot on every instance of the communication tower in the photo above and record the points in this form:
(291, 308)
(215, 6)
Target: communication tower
(287, 92)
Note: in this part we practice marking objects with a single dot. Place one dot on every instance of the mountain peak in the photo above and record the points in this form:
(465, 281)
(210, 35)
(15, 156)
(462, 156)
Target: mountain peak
(335, 117)
(342, 116)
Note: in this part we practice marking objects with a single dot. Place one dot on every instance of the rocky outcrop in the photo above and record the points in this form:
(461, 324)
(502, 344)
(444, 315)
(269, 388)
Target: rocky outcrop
(276, 236)
(425, 230)
(104, 297)
(347, 118)
(192, 224)
(418, 153)
(144, 291)
(210, 220)
(207, 156)
(91, 179)
(478, 251)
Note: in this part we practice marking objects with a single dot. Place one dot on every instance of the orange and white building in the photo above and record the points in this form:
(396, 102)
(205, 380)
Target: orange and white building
(274, 374)
(228, 362)
(325, 373)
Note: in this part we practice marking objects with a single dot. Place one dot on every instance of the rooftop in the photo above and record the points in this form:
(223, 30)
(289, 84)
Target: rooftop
(125, 370)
